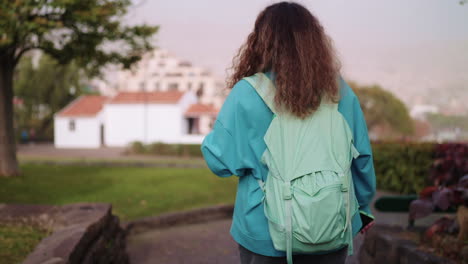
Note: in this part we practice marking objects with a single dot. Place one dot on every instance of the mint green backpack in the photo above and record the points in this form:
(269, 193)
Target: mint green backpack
(309, 196)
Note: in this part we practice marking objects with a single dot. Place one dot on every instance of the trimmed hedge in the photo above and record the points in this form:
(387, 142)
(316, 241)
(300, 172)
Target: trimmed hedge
(400, 167)
(177, 150)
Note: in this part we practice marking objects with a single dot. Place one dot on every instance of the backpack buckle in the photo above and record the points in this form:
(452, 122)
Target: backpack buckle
(287, 193)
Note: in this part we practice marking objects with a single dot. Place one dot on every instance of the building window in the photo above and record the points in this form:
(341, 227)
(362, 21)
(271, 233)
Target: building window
(71, 125)
(174, 74)
(185, 64)
(156, 86)
(192, 126)
(173, 87)
(142, 86)
(189, 86)
(200, 90)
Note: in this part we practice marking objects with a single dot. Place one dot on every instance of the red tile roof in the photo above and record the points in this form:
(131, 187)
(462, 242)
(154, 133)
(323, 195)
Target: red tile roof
(86, 105)
(201, 109)
(169, 97)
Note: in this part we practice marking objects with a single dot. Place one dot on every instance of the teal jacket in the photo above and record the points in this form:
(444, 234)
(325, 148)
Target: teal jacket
(235, 146)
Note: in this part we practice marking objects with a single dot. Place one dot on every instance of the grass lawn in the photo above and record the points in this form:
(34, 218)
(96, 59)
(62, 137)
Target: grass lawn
(133, 192)
(17, 241)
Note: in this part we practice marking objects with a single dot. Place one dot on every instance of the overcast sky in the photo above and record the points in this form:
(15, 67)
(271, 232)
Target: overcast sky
(407, 46)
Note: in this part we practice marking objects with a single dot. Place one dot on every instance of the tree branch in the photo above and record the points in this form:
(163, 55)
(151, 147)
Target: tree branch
(21, 52)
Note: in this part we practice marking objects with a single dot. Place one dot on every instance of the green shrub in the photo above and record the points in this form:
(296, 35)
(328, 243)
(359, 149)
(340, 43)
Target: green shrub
(158, 148)
(402, 167)
(192, 150)
(138, 148)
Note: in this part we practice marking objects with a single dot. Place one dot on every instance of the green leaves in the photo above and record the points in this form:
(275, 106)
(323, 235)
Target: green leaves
(45, 90)
(80, 30)
(402, 167)
(382, 109)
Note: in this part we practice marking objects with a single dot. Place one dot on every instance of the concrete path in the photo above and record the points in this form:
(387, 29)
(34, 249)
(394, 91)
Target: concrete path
(45, 153)
(47, 150)
(192, 244)
(211, 242)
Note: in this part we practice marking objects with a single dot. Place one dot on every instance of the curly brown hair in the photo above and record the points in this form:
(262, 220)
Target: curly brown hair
(290, 42)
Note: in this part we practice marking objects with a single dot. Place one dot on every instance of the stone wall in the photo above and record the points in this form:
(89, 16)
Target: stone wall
(384, 244)
(80, 233)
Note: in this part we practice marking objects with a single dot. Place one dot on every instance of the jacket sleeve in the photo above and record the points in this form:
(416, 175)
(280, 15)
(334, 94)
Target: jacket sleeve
(363, 166)
(224, 148)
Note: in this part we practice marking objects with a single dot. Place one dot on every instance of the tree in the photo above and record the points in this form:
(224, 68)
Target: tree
(90, 32)
(382, 108)
(44, 90)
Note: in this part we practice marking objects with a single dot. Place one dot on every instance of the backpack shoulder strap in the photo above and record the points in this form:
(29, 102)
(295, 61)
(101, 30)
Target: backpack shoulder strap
(264, 88)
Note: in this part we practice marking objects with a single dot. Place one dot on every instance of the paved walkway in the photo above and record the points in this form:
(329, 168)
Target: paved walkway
(210, 242)
(191, 244)
(48, 150)
(47, 153)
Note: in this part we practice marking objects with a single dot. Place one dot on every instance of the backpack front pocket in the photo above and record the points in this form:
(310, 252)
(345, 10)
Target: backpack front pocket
(318, 217)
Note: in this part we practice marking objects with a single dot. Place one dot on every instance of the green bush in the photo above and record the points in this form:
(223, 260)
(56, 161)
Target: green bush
(158, 148)
(192, 150)
(402, 167)
(137, 147)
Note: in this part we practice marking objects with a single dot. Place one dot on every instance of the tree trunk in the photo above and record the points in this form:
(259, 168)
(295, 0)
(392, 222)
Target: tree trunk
(8, 161)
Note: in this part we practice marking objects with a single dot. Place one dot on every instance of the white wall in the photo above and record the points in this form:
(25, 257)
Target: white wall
(191, 139)
(85, 135)
(206, 123)
(164, 123)
(123, 123)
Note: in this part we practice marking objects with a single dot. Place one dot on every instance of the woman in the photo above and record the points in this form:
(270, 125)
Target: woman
(290, 46)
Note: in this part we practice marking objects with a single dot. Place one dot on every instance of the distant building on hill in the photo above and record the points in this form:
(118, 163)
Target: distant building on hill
(93, 121)
(160, 70)
(420, 111)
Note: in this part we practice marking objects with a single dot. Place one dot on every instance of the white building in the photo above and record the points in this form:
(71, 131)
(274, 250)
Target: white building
(420, 111)
(159, 70)
(148, 117)
(80, 124)
(162, 99)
